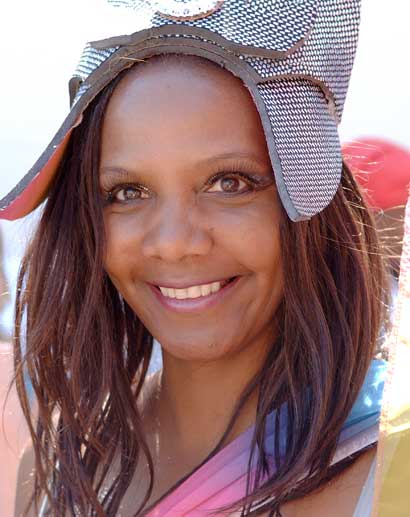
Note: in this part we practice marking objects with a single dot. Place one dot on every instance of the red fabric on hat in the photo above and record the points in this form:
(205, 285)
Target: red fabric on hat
(382, 168)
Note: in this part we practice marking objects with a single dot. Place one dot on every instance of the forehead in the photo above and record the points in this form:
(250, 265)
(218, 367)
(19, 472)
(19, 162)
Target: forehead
(184, 70)
(181, 103)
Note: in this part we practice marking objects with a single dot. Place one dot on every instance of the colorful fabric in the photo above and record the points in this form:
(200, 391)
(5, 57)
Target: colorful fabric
(222, 480)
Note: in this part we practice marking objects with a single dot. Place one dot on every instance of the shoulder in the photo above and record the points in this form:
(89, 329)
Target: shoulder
(338, 497)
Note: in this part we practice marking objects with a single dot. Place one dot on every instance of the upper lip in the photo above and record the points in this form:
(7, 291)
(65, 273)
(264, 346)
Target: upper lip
(184, 284)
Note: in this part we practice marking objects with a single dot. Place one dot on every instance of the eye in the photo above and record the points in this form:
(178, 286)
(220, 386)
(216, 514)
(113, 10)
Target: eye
(229, 184)
(127, 193)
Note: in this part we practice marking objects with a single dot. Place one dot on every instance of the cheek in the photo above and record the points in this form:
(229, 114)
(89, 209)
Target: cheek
(251, 233)
(122, 247)
(256, 240)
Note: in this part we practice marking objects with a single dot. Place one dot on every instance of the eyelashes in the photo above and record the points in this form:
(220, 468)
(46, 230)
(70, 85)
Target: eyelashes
(231, 183)
(255, 181)
(125, 193)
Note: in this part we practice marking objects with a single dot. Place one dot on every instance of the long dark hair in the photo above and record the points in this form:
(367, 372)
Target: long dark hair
(86, 353)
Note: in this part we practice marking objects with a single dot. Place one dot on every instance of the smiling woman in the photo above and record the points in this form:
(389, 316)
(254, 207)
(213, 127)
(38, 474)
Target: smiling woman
(208, 208)
(184, 229)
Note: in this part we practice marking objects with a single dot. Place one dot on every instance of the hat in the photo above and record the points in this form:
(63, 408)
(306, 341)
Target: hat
(294, 56)
(382, 168)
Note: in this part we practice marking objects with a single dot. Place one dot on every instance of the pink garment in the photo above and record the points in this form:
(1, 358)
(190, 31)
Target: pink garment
(221, 481)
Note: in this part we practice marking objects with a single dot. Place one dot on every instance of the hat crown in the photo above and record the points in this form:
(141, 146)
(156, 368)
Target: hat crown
(186, 9)
(276, 25)
(309, 39)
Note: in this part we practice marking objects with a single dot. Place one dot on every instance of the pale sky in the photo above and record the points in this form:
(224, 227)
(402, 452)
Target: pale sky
(41, 41)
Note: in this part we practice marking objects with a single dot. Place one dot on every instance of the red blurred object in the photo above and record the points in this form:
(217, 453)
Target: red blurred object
(382, 168)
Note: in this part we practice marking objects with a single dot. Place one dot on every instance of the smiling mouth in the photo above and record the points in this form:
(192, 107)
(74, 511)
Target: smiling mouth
(195, 291)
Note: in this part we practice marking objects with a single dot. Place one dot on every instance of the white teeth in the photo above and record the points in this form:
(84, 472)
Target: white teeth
(215, 286)
(181, 294)
(206, 289)
(195, 291)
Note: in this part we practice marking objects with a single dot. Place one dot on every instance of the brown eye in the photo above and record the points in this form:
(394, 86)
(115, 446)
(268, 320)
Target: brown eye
(230, 185)
(129, 194)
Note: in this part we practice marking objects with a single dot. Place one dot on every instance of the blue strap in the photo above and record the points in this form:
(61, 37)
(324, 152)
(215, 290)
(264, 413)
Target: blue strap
(368, 404)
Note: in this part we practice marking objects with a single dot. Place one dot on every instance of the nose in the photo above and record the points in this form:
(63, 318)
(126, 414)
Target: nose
(177, 231)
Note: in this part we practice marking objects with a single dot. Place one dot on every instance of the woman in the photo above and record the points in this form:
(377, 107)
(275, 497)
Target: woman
(199, 198)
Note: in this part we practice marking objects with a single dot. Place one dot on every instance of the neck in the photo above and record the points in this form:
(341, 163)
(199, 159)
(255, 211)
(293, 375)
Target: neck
(195, 401)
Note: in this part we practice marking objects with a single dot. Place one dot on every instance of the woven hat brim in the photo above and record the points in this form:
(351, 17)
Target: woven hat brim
(301, 135)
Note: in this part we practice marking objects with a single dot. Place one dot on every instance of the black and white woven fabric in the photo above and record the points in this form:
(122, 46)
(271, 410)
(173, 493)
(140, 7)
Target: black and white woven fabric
(295, 57)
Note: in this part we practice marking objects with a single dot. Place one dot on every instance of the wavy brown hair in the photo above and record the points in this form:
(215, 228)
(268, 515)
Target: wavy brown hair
(86, 353)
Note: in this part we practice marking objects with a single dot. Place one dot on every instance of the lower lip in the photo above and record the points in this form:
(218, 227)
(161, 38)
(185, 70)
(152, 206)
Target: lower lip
(194, 304)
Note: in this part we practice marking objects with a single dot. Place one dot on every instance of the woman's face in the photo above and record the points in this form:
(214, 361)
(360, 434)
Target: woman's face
(191, 205)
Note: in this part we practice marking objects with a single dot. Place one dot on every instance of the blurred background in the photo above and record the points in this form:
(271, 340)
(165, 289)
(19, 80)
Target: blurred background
(40, 44)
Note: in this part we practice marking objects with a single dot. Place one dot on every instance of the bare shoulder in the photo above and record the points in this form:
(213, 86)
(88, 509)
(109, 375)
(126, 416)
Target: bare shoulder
(339, 497)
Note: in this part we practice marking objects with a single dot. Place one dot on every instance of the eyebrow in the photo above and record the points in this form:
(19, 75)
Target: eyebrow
(234, 156)
(255, 159)
(119, 171)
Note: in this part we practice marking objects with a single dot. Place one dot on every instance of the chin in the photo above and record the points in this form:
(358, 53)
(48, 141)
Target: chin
(195, 350)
